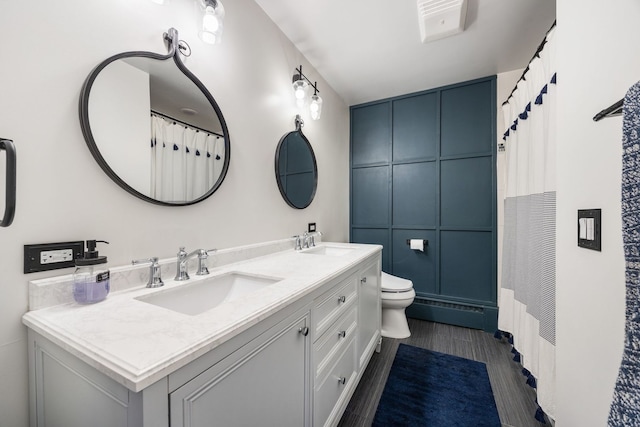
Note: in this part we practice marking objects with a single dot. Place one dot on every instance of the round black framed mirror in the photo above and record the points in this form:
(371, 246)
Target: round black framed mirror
(296, 168)
(154, 128)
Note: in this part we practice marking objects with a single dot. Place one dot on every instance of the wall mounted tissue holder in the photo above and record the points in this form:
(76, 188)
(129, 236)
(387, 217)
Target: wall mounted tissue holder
(425, 243)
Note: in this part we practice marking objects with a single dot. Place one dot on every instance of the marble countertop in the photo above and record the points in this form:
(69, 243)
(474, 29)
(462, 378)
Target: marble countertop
(137, 343)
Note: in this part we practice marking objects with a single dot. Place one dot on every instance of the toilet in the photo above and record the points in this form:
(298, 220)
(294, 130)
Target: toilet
(397, 295)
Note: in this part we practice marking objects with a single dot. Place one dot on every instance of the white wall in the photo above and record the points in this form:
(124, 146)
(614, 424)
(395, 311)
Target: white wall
(597, 56)
(49, 49)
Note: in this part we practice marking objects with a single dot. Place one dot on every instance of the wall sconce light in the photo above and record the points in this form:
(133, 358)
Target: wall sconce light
(212, 21)
(300, 85)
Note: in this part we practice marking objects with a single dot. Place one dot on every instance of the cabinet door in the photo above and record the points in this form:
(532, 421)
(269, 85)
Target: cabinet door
(369, 312)
(262, 384)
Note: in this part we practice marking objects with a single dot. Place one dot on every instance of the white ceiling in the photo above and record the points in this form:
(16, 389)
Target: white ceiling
(371, 49)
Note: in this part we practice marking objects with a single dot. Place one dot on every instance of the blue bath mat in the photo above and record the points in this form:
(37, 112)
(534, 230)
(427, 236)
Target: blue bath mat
(427, 388)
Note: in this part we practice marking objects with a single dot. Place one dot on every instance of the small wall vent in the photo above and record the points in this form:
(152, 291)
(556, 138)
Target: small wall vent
(449, 305)
(441, 18)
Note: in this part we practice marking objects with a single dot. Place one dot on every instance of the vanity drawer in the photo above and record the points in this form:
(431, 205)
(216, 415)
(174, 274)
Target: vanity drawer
(334, 386)
(333, 341)
(331, 305)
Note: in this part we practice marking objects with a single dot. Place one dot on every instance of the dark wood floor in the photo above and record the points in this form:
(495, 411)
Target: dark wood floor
(514, 398)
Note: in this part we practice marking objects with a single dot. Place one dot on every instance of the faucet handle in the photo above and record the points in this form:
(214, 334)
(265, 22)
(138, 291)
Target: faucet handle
(203, 254)
(298, 242)
(144, 260)
(155, 279)
(181, 253)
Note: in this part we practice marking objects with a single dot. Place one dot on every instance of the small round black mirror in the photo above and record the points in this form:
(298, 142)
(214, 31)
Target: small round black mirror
(296, 168)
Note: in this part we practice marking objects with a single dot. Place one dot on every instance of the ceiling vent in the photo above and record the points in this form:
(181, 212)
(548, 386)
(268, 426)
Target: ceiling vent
(441, 18)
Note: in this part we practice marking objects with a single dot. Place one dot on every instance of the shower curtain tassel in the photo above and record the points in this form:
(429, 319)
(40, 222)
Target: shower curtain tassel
(540, 416)
(526, 372)
(498, 334)
(516, 358)
(531, 381)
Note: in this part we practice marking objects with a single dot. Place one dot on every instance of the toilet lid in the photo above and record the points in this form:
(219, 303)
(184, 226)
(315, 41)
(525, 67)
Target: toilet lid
(395, 284)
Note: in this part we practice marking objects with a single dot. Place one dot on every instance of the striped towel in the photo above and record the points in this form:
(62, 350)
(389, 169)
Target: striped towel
(625, 408)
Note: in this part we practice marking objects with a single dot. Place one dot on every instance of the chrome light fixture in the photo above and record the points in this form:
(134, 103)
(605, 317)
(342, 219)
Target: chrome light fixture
(212, 21)
(315, 107)
(300, 86)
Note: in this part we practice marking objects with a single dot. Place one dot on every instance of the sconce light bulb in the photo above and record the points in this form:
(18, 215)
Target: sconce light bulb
(210, 21)
(315, 107)
(300, 89)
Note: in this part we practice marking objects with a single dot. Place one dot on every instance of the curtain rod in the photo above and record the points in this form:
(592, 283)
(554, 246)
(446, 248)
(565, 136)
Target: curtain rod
(157, 113)
(613, 110)
(538, 50)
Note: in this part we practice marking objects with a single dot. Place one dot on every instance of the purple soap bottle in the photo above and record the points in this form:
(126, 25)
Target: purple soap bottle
(91, 278)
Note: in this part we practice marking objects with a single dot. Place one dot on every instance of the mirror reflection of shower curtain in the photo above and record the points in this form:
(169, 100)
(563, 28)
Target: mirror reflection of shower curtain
(185, 162)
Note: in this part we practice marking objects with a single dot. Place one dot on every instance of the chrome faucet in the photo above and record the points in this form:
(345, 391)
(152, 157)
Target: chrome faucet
(305, 240)
(155, 280)
(181, 262)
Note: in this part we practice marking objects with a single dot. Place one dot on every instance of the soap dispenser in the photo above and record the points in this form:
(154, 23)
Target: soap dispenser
(91, 278)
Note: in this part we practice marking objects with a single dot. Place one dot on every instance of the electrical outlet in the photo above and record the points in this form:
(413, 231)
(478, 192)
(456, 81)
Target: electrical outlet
(60, 255)
(51, 256)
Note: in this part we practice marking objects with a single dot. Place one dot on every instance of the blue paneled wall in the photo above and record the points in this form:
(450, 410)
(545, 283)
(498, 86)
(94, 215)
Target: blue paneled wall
(423, 167)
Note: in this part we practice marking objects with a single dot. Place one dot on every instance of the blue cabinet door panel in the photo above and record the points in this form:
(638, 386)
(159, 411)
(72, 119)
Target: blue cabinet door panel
(468, 119)
(423, 167)
(370, 196)
(415, 127)
(420, 267)
(375, 236)
(466, 192)
(466, 265)
(414, 194)
(370, 134)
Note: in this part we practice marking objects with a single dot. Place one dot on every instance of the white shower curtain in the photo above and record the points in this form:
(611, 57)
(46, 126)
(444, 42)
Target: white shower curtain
(185, 162)
(527, 289)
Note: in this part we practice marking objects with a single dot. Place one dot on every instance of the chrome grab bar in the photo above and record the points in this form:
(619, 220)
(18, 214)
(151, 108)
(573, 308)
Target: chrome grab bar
(10, 195)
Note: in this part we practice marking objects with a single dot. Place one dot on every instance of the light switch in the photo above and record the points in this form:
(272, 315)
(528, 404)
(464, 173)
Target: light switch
(589, 233)
(582, 226)
(590, 229)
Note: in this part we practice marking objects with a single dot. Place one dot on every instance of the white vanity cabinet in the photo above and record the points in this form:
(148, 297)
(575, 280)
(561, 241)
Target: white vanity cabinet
(297, 366)
(369, 312)
(262, 384)
(335, 325)
(347, 331)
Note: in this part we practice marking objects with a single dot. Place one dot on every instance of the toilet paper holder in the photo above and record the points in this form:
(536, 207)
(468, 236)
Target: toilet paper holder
(425, 241)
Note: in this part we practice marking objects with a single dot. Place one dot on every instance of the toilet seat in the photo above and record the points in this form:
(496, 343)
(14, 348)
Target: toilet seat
(393, 284)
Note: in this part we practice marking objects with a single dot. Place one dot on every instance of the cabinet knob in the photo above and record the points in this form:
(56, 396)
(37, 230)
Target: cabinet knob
(342, 334)
(363, 280)
(342, 380)
(304, 331)
(342, 298)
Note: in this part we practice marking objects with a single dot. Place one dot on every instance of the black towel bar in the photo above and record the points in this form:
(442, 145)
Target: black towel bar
(10, 194)
(613, 110)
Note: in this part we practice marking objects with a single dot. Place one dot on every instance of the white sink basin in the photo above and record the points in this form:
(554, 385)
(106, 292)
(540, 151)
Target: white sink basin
(198, 297)
(327, 250)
